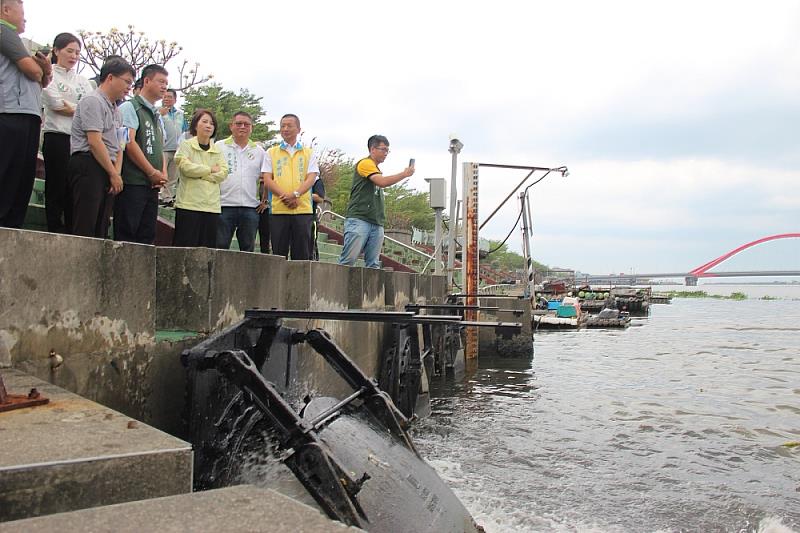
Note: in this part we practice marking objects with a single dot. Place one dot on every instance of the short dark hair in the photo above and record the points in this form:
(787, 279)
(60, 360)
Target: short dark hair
(173, 92)
(376, 140)
(115, 65)
(242, 114)
(61, 41)
(198, 114)
(138, 84)
(151, 70)
(292, 115)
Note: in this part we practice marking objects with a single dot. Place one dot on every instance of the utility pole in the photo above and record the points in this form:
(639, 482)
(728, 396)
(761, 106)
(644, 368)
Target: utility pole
(455, 149)
(526, 242)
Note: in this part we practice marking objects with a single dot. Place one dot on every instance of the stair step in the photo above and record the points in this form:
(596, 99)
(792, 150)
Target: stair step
(78, 454)
(239, 508)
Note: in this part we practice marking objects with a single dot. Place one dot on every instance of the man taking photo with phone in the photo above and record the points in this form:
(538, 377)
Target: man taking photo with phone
(363, 227)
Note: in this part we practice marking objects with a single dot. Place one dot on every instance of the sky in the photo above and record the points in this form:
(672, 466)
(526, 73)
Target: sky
(678, 120)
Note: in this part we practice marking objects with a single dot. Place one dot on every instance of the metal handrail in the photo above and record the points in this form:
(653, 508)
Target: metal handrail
(501, 286)
(395, 241)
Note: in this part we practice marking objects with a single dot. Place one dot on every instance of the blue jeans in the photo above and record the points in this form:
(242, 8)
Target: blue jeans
(242, 220)
(361, 236)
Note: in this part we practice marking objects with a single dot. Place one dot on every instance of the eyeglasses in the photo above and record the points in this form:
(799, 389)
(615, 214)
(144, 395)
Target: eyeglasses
(242, 124)
(128, 81)
(383, 149)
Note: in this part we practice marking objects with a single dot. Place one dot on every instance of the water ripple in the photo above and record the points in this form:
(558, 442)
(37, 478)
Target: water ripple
(677, 425)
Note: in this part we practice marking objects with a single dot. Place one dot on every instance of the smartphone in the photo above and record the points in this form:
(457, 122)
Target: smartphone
(411, 162)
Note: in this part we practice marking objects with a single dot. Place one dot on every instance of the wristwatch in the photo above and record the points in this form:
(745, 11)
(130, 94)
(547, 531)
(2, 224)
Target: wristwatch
(296, 194)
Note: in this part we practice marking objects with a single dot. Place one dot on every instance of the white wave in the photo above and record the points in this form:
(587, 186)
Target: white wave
(773, 524)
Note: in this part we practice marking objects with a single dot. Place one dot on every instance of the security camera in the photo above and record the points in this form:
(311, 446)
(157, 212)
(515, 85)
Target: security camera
(455, 144)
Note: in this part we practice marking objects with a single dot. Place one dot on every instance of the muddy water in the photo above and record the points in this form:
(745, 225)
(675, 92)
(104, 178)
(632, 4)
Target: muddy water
(679, 423)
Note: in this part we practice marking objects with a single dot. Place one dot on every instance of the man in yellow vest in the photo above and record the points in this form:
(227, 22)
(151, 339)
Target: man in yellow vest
(288, 173)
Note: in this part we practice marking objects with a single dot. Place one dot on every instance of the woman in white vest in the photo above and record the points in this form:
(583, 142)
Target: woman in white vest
(60, 99)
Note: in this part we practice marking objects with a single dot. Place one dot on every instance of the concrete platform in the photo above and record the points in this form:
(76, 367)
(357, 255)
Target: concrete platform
(242, 508)
(73, 453)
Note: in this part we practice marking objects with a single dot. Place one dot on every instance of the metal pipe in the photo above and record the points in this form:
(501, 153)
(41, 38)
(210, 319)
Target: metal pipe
(454, 149)
(532, 269)
(437, 239)
(564, 172)
(526, 244)
(507, 197)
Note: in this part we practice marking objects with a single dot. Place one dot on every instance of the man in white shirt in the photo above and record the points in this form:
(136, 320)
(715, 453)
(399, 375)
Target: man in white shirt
(239, 192)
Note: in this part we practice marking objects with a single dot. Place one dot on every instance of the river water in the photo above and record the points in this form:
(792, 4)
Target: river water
(676, 424)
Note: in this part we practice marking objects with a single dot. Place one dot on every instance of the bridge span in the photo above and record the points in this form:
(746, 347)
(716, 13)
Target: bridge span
(689, 278)
(703, 271)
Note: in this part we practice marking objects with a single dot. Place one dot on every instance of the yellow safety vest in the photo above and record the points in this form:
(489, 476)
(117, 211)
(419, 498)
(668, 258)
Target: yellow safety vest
(289, 172)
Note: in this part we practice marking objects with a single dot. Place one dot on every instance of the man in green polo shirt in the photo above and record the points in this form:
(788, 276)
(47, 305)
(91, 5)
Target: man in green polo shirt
(143, 167)
(363, 227)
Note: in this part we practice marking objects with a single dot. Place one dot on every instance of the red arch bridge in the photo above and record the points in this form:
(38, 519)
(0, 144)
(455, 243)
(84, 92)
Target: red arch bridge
(703, 271)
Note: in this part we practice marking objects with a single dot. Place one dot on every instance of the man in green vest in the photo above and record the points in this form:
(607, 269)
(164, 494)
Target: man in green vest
(143, 167)
(363, 225)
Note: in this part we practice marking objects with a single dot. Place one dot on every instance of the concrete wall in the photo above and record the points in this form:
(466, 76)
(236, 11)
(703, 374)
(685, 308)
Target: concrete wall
(493, 345)
(99, 304)
(204, 290)
(73, 294)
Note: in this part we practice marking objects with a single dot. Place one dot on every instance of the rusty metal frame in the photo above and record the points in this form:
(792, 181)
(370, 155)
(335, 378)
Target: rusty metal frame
(10, 402)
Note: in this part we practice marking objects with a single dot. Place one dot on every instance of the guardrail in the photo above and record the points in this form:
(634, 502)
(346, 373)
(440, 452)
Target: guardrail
(500, 288)
(408, 255)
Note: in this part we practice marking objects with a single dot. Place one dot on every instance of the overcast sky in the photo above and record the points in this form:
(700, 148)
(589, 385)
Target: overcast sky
(678, 120)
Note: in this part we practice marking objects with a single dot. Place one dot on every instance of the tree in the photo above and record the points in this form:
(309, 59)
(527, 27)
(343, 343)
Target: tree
(140, 51)
(406, 207)
(336, 171)
(224, 104)
(505, 260)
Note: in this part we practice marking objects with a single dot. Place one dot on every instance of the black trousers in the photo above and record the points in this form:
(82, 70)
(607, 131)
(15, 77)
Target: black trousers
(57, 200)
(135, 214)
(91, 202)
(263, 231)
(292, 233)
(19, 144)
(195, 228)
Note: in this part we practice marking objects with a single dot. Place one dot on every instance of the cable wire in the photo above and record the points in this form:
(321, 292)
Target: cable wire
(525, 192)
(507, 236)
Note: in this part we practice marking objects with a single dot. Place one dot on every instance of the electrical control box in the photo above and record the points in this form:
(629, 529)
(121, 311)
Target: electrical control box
(438, 192)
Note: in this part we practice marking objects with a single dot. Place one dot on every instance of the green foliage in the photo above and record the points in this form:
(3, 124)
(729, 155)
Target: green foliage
(406, 207)
(504, 259)
(224, 104)
(737, 296)
(688, 294)
(336, 170)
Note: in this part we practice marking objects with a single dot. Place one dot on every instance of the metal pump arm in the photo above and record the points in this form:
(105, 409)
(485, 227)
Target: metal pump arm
(311, 461)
